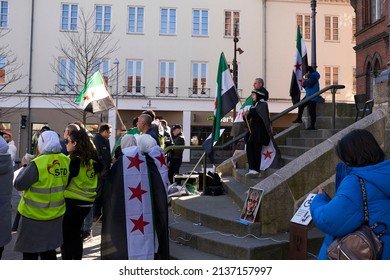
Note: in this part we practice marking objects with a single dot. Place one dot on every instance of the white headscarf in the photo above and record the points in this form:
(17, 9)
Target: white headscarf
(128, 140)
(145, 142)
(49, 142)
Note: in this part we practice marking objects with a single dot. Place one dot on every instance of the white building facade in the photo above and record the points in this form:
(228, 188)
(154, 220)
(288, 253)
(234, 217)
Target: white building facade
(166, 57)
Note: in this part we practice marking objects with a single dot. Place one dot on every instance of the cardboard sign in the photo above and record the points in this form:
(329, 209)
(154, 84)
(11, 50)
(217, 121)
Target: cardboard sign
(303, 215)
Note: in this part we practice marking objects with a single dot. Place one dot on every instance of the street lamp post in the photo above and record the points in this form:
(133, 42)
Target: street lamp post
(235, 66)
(313, 34)
(116, 63)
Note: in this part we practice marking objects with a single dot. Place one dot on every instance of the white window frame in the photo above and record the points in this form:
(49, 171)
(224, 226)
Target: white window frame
(304, 26)
(167, 70)
(135, 66)
(106, 18)
(103, 65)
(138, 22)
(330, 70)
(69, 22)
(4, 7)
(200, 22)
(167, 26)
(232, 24)
(333, 37)
(66, 73)
(3, 65)
(376, 10)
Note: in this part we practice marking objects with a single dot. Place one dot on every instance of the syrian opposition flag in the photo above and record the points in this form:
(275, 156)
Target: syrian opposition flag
(226, 99)
(138, 206)
(95, 97)
(268, 154)
(299, 69)
(239, 122)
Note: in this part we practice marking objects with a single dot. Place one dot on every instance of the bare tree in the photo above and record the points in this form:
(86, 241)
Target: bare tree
(84, 48)
(9, 68)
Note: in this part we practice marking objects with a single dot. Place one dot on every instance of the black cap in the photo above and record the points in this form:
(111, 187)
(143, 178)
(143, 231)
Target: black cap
(176, 126)
(260, 95)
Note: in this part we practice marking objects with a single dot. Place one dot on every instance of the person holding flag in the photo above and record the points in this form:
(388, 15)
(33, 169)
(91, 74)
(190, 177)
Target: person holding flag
(261, 150)
(300, 68)
(226, 99)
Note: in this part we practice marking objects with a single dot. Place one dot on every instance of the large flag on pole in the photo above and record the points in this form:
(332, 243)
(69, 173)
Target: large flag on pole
(239, 122)
(226, 99)
(299, 68)
(95, 97)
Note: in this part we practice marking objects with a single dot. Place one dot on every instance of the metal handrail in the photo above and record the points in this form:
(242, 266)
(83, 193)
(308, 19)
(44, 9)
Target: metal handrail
(332, 88)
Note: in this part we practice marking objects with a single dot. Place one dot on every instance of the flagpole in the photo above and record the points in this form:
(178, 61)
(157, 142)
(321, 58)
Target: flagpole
(245, 118)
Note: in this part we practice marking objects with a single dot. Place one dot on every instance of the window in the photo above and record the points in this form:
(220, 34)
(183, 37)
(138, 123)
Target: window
(136, 20)
(200, 25)
(66, 72)
(232, 23)
(168, 21)
(303, 21)
(3, 64)
(3, 14)
(354, 80)
(69, 17)
(199, 77)
(134, 76)
(331, 75)
(376, 10)
(103, 18)
(331, 28)
(167, 77)
(103, 66)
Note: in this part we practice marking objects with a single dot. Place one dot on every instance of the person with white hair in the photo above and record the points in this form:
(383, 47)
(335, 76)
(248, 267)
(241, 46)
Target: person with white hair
(42, 205)
(6, 176)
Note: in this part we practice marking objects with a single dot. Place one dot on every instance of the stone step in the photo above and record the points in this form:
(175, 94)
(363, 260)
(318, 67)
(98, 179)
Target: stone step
(179, 251)
(220, 213)
(318, 133)
(294, 151)
(304, 142)
(228, 244)
(239, 175)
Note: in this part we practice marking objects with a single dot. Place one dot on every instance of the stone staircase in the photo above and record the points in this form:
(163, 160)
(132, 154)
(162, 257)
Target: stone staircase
(208, 227)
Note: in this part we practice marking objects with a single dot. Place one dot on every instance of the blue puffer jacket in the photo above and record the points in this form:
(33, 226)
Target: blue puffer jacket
(344, 213)
(312, 85)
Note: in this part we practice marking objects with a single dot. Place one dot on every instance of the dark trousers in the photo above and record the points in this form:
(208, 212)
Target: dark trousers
(1, 251)
(72, 248)
(48, 255)
(312, 105)
(253, 153)
(100, 193)
(174, 168)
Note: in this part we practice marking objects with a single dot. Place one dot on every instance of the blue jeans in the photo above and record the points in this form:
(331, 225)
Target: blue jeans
(87, 225)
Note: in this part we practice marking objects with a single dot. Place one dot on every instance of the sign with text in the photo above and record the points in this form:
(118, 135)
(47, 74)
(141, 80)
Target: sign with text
(303, 216)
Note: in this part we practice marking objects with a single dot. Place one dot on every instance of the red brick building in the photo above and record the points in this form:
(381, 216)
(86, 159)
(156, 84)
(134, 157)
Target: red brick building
(372, 42)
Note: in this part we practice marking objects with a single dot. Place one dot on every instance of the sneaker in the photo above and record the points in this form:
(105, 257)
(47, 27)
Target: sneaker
(86, 235)
(252, 173)
(297, 121)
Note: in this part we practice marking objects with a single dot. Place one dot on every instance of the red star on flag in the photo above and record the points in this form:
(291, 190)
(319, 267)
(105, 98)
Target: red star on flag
(268, 154)
(161, 159)
(86, 97)
(139, 224)
(297, 66)
(135, 161)
(137, 192)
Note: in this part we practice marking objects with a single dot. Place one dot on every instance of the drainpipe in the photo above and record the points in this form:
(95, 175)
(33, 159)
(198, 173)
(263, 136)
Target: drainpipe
(29, 127)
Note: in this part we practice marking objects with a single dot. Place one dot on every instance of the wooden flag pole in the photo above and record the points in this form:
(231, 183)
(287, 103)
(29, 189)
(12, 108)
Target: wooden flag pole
(245, 118)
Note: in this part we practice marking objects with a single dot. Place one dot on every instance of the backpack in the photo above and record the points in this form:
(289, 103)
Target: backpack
(214, 184)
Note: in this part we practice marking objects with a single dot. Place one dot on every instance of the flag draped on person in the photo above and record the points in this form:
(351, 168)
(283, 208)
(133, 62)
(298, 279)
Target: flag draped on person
(95, 97)
(226, 99)
(299, 69)
(239, 123)
(135, 224)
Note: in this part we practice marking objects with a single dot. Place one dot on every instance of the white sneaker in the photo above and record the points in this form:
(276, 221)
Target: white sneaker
(252, 173)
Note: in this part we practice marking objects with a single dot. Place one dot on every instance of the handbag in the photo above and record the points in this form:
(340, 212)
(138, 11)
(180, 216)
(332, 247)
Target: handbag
(362, 244)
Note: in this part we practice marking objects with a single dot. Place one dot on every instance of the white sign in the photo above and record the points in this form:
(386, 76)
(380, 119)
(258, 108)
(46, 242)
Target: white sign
(303, 216)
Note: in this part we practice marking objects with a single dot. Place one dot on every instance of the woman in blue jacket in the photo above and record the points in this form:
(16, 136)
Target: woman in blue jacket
(344, 213)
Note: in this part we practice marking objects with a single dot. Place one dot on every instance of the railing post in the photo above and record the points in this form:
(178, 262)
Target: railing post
(333, 90)
(204, 172)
